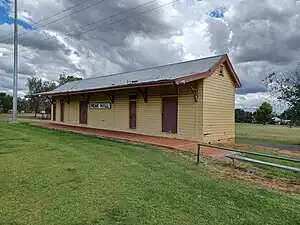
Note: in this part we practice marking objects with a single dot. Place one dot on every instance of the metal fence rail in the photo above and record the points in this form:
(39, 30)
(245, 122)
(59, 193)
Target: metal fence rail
(246, 159)
(244, 152)
(243, 158)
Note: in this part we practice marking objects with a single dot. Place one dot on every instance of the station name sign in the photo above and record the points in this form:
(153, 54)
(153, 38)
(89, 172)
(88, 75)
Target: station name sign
(100, 105)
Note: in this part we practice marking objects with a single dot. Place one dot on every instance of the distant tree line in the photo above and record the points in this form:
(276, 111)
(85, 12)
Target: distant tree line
(33, 102)
(286, 87)
(243, 116)
(6, 103)
(263, 115)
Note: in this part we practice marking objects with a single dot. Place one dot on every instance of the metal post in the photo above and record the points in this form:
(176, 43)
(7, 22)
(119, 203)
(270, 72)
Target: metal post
(15, 84)
(198, 153)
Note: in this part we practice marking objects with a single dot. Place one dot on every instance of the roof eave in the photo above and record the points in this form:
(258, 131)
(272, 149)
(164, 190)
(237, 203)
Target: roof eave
(119, 87)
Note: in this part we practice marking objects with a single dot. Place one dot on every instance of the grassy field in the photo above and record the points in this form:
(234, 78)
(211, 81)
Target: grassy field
(52, 177)
(268, 133)
(23, 115)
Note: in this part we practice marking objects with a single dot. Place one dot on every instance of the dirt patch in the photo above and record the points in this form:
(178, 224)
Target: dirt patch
(253, 176)
(221, 166)
(290, 153)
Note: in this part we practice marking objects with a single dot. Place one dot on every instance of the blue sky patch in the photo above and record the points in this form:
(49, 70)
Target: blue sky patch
(5, 6)
(218, 13)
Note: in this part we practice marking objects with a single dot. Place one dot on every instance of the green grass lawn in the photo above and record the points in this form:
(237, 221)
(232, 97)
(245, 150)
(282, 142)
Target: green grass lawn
(268, 133)
(52, 177)
(4, 116)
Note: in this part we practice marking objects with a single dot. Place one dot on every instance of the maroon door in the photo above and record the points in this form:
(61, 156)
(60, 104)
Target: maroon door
(54, 112)
(132, 114)
(83, 112)
(169, 114)
(62, 111)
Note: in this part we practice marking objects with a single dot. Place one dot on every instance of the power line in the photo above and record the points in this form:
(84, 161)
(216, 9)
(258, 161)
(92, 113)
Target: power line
(149, 10)
(49, 17)
(61, 18)
(98, 21)
(56, 14)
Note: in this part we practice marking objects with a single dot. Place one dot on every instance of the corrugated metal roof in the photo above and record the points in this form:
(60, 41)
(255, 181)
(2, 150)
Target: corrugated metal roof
(168, 72)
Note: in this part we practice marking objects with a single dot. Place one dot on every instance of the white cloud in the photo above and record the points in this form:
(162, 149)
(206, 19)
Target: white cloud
(260, 36)
(252, 101)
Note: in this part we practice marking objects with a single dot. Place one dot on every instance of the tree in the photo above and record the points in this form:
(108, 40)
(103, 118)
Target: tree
(37, 85)
(264, 113)
(242, 116)
(46, 104)
(286, 87)
(6, 102)
(65, 79)
(287, 115)
(239, 115)
(23, 105)
(249, 117)
(34, 85)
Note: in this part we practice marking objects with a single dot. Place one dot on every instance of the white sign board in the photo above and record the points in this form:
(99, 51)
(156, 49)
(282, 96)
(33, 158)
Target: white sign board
(100, 105)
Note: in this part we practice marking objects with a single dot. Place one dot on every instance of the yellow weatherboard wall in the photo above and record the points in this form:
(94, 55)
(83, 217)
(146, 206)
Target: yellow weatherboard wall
(210, 119)
(148, 115)
(218, 107)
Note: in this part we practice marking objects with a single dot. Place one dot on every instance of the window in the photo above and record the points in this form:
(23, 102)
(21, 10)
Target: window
(221, 70)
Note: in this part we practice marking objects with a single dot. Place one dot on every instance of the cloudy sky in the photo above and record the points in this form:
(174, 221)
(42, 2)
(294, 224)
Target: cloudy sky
(96, 37)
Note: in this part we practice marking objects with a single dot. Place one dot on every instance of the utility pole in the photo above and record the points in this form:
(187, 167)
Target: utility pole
(15, 88)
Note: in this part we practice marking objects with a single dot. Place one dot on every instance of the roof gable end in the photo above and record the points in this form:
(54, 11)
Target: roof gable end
(223, 60)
